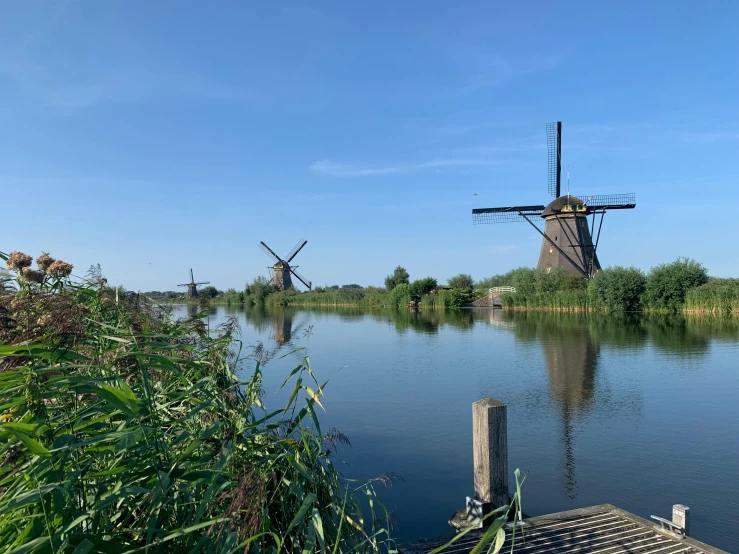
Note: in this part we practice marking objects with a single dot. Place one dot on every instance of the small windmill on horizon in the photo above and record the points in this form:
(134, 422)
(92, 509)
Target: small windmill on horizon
(567, 239)
(192, 286)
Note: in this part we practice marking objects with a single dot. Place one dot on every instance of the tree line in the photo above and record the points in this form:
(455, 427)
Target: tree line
(680, 285)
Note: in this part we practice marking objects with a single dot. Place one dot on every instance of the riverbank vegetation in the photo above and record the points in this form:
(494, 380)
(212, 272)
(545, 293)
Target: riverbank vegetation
(124, 430)
(680, 286)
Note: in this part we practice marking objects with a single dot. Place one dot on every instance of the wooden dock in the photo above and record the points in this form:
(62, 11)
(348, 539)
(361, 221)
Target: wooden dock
(603, 529)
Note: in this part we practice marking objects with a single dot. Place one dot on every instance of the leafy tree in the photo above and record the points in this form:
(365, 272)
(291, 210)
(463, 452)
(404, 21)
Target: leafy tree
(618, 289)
(334, 287)
(208, 292)
(667, 284)
(258, 290)
(523, 279)
(463, 281)
(399, 276)
(351, 286)
(422, 286)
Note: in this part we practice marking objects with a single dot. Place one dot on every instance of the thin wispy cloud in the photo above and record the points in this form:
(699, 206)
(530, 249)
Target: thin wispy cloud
(337, 169)
(710, 137)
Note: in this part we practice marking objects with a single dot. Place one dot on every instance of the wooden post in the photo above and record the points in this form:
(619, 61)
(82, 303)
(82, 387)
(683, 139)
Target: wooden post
(681, 517)
(490, 451)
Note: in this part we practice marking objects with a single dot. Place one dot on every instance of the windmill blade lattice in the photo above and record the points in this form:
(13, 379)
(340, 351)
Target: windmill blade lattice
(511, 214)
(612, 201)
(300, 277)
(267, 250)
(554, 151)
(297, 248)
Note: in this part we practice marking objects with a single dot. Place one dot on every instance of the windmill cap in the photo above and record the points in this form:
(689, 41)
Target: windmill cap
(556, 205)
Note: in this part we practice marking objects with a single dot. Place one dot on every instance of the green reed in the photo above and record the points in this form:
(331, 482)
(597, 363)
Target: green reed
(718, 296)
(125, 431)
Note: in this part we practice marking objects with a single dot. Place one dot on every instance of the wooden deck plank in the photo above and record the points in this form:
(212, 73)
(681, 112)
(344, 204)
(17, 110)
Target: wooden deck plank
(602, 529)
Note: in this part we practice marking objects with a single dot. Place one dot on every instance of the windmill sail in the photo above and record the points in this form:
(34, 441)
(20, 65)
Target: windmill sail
(554, 151)
(300, 277)
(267, 250)
(510, 214)
(297, 248)
(611, 201)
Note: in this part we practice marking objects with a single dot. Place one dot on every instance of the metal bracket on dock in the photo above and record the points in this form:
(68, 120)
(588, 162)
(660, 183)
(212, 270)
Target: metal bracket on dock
(476, 510)
(672, 528)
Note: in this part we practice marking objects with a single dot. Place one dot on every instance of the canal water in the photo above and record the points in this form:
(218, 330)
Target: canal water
(640, 412)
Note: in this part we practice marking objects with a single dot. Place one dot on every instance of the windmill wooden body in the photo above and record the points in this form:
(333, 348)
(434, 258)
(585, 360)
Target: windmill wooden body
(192, 286)
(282, 270)
(567, 239)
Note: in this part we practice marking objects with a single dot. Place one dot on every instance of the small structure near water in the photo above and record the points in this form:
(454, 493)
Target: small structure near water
(603, 529)
(492, 300)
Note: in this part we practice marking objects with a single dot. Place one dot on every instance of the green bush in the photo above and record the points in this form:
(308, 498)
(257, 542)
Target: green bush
(400, 295)
(668, 284)
(454, 298)
(282, 297)
(423, 286)
(258, 290)
(463, 281)
(618, 289)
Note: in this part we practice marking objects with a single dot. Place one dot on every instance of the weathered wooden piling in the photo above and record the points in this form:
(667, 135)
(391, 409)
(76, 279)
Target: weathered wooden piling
(490, 451)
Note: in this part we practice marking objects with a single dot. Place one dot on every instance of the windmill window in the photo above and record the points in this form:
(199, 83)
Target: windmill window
(551, 249)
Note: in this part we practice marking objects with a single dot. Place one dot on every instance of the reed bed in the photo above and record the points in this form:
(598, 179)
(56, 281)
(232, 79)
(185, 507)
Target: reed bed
(717, 297)
(125, 431)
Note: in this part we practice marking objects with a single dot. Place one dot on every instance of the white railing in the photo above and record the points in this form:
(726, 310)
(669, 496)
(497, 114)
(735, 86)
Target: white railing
(497, 290)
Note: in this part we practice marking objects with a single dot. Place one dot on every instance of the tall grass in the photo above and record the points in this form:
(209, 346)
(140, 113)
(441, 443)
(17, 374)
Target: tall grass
(717, 296)
(124, 431)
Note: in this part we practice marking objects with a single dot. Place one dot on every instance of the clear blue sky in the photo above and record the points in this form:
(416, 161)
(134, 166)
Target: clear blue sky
(155, 136)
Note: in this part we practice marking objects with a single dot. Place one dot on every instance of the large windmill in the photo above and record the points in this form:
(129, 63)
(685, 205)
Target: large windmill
(192, 286)
(282, 269)
(567, 239)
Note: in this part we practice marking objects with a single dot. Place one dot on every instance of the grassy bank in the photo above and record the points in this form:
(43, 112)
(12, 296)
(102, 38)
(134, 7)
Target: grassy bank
(125, 431)
(368, 298)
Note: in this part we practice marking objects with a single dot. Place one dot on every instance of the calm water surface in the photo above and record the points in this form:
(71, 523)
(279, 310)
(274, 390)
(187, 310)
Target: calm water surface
(641, 412)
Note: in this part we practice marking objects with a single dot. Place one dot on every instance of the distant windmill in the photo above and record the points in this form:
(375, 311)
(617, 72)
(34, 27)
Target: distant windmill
(192, 286)
(567, 242)
(282, 269)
